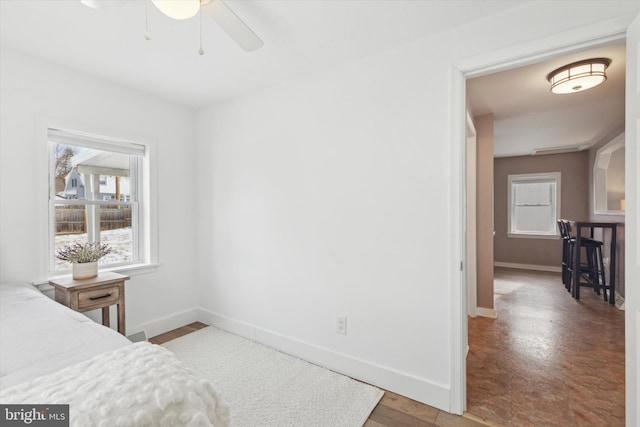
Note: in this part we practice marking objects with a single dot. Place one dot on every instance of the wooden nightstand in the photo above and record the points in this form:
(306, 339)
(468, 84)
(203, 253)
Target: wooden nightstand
(89, 294)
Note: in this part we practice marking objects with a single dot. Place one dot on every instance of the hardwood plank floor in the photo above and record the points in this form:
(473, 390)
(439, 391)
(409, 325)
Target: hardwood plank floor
(393, 410)
(177, 333)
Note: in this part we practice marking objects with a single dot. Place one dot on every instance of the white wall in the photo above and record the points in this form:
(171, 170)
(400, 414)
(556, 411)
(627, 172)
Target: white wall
(329, 195)
(31, 88)
(316, 198)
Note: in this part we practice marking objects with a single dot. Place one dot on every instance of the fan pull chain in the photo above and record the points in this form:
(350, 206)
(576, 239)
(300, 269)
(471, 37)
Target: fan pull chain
(200, 51)
(146, 20)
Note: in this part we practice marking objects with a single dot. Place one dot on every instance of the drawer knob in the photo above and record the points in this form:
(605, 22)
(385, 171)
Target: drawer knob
(100, 297)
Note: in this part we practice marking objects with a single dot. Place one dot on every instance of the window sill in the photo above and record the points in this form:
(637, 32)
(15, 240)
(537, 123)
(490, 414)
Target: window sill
(135, 270)
(131, 270)
(534, 236)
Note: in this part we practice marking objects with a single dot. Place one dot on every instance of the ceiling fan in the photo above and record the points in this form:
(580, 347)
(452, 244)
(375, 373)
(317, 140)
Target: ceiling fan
(217, 10)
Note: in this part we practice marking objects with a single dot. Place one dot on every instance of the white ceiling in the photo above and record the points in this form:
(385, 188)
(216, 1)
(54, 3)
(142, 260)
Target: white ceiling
(300, 36)
(304, 36)
(528, 116)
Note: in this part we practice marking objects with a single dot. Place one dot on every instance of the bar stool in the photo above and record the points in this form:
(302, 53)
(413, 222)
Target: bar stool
(566, 259)
(592, 270)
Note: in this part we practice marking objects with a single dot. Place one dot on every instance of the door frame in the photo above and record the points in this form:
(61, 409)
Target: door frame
(471, 209)
(579, 39)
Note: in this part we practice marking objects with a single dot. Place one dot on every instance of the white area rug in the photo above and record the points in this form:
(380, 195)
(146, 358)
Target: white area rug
(267, 388)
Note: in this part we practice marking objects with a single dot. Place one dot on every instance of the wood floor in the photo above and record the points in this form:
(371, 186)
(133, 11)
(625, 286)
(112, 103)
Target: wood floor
(547, 360)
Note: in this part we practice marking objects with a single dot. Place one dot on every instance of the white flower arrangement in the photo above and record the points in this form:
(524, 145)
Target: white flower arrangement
(80, 253)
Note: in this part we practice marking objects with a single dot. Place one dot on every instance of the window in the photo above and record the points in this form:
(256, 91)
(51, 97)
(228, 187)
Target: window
(534, 205)
(96, 195)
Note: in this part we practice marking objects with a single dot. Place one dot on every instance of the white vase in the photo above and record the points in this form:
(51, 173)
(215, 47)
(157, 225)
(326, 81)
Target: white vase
(85, 270)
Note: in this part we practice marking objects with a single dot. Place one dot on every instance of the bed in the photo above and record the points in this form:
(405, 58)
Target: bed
(50, 354)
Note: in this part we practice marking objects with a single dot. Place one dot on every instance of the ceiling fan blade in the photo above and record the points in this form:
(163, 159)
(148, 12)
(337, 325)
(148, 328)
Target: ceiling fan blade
(103, 4)
(233, 25)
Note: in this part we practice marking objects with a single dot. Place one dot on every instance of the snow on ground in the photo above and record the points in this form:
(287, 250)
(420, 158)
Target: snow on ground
(120, 240)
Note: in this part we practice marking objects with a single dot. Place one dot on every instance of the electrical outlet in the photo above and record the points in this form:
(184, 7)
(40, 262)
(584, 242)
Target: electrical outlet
(605, 261)
(341, 325)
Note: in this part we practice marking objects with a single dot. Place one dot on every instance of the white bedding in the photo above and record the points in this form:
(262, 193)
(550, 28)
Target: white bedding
(39, 336)
(53, 355)
(138, 385)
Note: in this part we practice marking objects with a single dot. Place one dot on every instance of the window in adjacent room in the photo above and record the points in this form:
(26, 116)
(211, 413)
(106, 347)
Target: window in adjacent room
(96, 195)
(534, 205)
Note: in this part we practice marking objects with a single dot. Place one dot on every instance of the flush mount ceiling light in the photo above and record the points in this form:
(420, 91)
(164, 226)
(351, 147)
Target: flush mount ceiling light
(578, 76)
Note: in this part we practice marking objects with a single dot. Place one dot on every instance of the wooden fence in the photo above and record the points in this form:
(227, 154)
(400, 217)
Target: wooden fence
(73, 219)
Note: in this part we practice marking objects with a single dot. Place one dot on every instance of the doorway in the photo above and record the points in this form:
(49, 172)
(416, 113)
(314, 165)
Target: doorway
(537, 118)
(509, 58)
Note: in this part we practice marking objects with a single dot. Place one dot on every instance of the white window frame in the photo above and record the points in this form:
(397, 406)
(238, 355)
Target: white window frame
(147, 209)
(554, 177)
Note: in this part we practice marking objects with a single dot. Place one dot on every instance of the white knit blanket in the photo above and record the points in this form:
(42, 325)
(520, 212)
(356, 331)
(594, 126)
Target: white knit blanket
(138, 385)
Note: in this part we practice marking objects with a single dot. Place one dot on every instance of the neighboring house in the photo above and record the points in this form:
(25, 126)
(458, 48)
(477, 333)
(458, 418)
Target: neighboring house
(109, 188)
(73, 186)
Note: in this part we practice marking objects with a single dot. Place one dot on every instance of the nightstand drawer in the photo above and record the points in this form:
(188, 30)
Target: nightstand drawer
(98, 297)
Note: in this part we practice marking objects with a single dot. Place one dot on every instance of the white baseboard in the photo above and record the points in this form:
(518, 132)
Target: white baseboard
(550, 268)
(487, 312)
(234, 326)
(408, 385)
(166, 323)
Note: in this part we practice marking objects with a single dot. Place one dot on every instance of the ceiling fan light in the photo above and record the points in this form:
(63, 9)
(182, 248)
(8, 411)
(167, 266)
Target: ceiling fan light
(578, 76)
(178, 9)
(103, 5)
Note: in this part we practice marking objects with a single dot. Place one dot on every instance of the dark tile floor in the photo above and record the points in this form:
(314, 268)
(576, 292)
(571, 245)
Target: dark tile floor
(547, 360)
